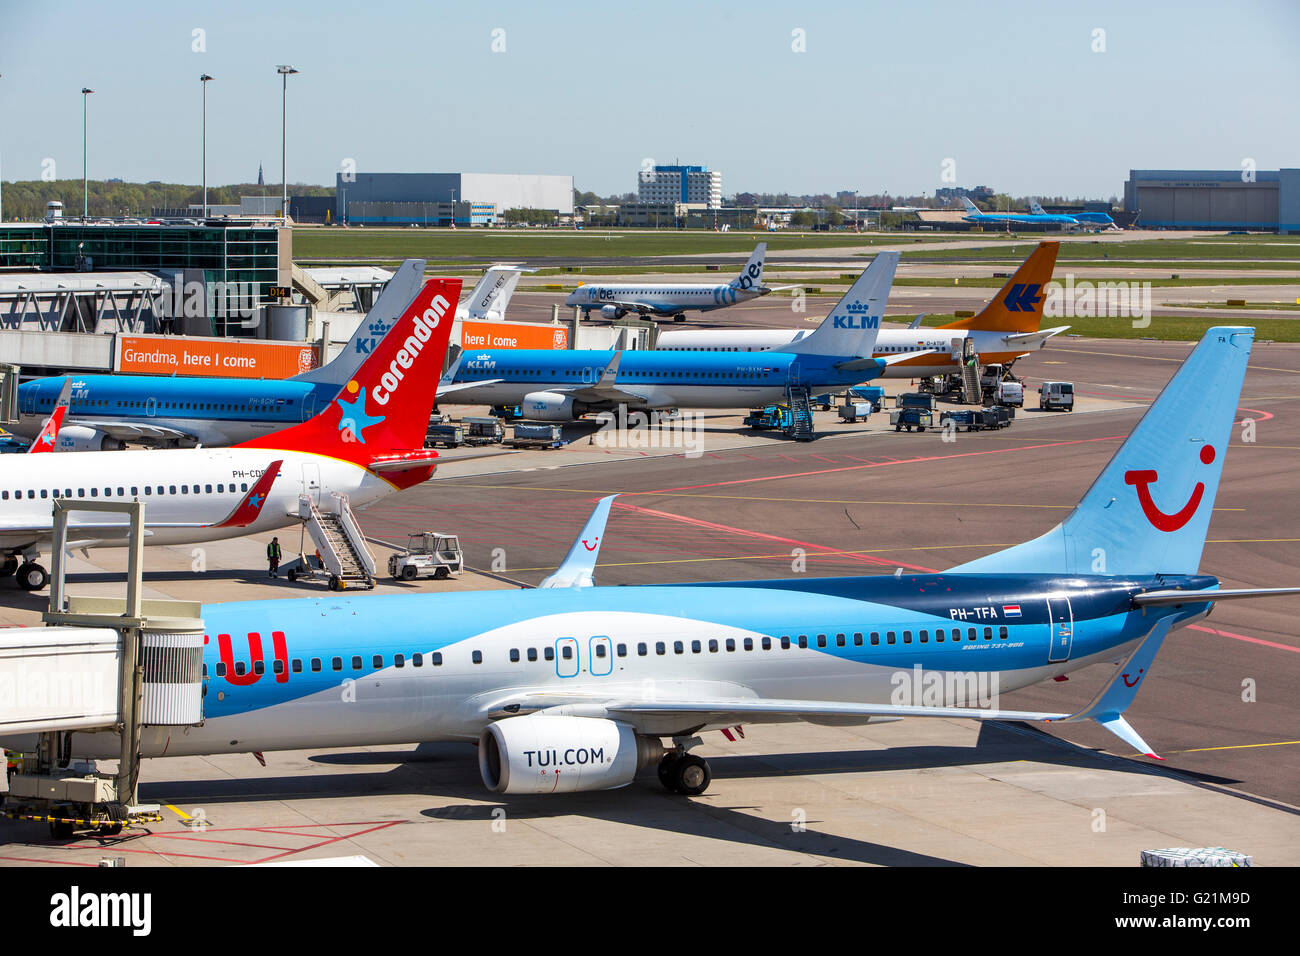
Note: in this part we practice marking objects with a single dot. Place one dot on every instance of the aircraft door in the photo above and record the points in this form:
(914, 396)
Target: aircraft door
(151, 406)
(309, 406)
(311, 481)
(601, 656)
(566, 657)
(1060, 626)
(793, 374)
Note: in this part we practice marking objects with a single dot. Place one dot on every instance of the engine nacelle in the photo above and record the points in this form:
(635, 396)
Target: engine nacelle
(610, 312)
(541, 753)
(552, 407)
(85, 438)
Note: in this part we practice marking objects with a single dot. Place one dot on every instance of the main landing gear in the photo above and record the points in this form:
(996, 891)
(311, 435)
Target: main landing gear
(684, 773)
(31, 576)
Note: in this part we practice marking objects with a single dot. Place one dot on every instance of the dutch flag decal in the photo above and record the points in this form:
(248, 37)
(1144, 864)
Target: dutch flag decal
(1011, 610)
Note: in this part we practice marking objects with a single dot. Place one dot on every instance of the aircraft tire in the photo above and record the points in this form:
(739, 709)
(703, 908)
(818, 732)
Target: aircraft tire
(666, 766)
(32, 577)
(691, 775)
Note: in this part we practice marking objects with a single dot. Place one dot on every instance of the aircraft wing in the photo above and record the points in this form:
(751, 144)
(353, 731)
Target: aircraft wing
(907, 356)
(130, 430)
(644, 308)
(604, 390)
(1030, 340)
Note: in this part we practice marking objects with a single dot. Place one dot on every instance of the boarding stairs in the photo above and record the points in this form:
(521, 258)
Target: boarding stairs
(801, 425)
(339, 539)
(972, 393)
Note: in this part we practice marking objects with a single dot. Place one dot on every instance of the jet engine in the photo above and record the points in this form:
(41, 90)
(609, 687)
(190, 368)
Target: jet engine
(85, 438)
(552, 407)
(541, 753)
(610, 312)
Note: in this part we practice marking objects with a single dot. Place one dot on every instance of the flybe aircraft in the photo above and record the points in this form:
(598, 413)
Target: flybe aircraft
(109, 410)
(614, 301)
(564, 385)
(1006, 329)
(572, 687)
(366, 443)
(974, 215)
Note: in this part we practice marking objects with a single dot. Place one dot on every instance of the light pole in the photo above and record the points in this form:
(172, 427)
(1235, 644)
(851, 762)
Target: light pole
(203, 81)
(85, 181)
(284, 72)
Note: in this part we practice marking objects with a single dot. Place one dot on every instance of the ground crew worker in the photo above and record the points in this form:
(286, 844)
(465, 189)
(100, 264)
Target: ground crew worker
(273, 555)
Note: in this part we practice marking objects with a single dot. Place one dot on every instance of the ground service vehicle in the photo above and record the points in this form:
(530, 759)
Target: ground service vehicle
(912, 410)
(428, 554)
(1056, 395)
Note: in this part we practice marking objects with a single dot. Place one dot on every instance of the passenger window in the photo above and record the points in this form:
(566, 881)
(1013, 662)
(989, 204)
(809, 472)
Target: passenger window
(621, 650)
(1002, 633)
(857, 639)
(600, 650)
(970, 634)
(336, 663)
(641, 650)
(378, 661)
(678, 647)
(399, 660)
(731, 644)
(221, 669)
(785, 643)
(821, 640)
(356, 662)
(567, 652)
(436, 658)
(803, 640)
(938, 636)
(277, 666)
(477, 657)
(890, 637)
(660, 647)
(695, 647)
(749, 643)
(839, 640)
(907, 637)
(548, 653)
(295, 665)
(713, 645)
(767, 643)
(315, 665)
(532, 654)
(514, 655)
(417, 660)
(925, 637)
(988, 633)
(240, 667)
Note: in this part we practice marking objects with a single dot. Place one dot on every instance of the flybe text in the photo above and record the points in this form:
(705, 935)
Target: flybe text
(421, 331)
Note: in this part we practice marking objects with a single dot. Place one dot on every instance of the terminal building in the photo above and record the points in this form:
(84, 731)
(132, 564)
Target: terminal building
(443, 199)
(688, 185)
(1214, 199)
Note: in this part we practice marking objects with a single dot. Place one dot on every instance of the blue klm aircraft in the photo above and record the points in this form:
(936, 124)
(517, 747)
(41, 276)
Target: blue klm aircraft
(1036, 218)
(572, 687)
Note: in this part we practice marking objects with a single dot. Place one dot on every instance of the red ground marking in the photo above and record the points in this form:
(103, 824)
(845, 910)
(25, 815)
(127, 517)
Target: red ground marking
(1243, 637)
(900, 461)
(25, 859)
(1263, 416)
(713, 526)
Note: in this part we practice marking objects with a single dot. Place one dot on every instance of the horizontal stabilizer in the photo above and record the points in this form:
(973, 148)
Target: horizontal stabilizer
(1174, 598)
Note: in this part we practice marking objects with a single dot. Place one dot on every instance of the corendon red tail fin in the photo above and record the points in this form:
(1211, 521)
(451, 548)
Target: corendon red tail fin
(1018, 306)
(250, 506)
(384, 410)
(47, 440)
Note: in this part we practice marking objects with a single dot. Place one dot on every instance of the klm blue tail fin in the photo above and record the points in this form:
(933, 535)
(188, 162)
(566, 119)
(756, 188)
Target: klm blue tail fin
(1149, 510)
(851, 328)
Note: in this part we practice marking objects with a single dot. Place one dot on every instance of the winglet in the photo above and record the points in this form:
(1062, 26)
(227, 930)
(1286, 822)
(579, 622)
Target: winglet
(250, 507)
(1108, 707)
(46, 440)
(576, 570)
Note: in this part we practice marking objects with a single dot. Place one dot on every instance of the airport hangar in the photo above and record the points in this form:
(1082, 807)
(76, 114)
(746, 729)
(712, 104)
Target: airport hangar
(439, 199)
(1266, 200)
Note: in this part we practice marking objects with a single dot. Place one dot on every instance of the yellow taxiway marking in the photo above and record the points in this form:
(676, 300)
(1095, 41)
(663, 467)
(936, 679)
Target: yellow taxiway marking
(816, 501)
(1158, 358)
(1199, 750)
(178, 811)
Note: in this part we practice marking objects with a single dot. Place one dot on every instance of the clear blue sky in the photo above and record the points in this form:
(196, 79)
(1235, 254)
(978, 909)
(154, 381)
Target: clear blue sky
(1010, 90)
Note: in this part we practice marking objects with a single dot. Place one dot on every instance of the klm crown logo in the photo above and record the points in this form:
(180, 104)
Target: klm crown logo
(858, 308)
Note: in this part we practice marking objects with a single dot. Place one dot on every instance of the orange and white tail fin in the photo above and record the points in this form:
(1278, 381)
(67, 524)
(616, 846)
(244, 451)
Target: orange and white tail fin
(47, 440)
(1018, 306)
(384, 409)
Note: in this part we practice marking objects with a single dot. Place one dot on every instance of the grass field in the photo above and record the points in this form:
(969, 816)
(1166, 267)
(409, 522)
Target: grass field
(1178, 329)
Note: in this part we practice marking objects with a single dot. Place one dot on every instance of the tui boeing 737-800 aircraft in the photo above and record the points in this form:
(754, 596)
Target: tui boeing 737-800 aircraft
(573, 687)
(366, 443)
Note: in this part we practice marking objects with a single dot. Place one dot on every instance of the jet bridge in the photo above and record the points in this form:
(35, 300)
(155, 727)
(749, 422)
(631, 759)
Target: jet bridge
(101, 665)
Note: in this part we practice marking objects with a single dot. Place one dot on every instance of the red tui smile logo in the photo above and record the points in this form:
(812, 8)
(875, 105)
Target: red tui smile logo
(1142, 480)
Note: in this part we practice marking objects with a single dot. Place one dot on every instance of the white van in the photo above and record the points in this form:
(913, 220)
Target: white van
(1052, 395)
